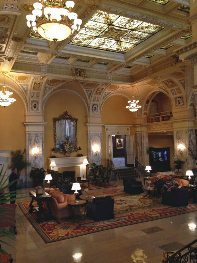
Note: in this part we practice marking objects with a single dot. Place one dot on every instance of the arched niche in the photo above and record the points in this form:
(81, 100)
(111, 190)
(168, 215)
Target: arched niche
(55, 105)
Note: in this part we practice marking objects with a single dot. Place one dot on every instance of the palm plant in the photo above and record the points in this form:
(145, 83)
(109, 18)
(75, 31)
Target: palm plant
(6, 217)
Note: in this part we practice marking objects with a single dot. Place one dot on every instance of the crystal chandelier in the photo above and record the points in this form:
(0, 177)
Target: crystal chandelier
(5, 99)
(53, 19)
(133, 105)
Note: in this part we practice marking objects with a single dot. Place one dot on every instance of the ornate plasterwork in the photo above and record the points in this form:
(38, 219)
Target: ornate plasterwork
(35, 94)
(35, 140)
(95, 138)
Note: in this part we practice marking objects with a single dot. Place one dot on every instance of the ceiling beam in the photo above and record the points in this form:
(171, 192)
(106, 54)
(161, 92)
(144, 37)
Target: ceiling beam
(151, 16)
(68, 72)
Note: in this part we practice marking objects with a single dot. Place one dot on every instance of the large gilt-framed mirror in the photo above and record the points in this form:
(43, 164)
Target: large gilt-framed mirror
(65, 128)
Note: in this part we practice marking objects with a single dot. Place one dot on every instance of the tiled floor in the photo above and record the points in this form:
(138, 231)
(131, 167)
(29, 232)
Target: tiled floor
(111, 246)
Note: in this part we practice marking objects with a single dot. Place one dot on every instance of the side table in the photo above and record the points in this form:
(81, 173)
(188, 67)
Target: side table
(41, 201)
(78, 208)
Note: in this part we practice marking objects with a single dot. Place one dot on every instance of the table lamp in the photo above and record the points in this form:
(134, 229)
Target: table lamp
(148, 168)
(48, 178)
(189, 173)
(76, 187)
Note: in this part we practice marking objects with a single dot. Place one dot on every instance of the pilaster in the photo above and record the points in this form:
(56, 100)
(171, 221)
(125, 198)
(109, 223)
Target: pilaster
(142, 145)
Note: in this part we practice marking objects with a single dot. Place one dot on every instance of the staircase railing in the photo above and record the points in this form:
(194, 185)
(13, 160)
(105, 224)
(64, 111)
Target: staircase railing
(184, 255)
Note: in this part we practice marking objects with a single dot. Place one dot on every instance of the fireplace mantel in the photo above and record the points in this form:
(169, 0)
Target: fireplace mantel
(62, 162)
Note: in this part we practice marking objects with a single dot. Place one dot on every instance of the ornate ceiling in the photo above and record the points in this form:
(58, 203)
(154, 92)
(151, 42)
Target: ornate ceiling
(120, 42)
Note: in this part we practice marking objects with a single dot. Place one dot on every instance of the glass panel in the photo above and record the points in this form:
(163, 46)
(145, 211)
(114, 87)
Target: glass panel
(114, 32)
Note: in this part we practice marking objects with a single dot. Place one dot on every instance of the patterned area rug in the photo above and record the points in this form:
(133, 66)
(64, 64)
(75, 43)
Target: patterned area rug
(129, 210)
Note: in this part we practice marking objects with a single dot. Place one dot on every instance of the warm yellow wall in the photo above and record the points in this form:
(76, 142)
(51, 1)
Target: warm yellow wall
(114, 111)
(12, 130)
(160, 141)
(57, 104)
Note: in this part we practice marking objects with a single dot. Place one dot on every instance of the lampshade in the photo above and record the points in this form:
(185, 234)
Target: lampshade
(52, 164)
(148, 168)
(48, 178)
(76, 187)
(85, 161)
(189, 173)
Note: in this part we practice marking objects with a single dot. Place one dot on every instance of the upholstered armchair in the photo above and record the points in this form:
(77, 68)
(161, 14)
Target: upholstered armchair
(101, 208)
(176, 197)
(59, 204)
(132, 186)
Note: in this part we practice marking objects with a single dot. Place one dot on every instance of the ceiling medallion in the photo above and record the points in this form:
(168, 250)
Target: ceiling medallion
(53, 20)
(133, 105)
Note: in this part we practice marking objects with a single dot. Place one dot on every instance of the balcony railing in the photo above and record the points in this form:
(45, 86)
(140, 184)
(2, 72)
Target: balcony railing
(158, 117)
(187, 254)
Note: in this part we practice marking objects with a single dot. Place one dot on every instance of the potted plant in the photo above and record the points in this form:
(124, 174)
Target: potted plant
(37, 175)
(18, 161)
(178, 164)
(99, 174)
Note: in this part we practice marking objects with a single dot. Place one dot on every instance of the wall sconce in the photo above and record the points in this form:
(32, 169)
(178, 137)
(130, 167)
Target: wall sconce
(35, 151)
(52, 165)
(96, 148)
(181, 147)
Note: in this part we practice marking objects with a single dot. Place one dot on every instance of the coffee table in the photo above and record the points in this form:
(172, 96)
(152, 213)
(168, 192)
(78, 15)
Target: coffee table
(41, 200)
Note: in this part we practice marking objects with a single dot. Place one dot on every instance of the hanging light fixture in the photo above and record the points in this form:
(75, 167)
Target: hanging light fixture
(133, 105)
(5, 99)
(53, 20)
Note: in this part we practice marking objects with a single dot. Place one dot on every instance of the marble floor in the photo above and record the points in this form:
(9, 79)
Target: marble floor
(110, 246)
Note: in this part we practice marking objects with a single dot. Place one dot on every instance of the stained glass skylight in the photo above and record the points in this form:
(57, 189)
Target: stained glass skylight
(113, 32)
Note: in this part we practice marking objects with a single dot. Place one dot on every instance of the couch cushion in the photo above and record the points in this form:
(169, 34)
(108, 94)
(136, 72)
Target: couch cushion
(58, 196)
(70, 198)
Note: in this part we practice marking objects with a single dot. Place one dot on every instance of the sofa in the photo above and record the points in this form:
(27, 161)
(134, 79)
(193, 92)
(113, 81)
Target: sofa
(100, 208)
(59, 203)
(132, 186)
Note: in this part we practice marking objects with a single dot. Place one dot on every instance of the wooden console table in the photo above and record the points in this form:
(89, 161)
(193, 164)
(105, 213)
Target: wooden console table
(41, 201)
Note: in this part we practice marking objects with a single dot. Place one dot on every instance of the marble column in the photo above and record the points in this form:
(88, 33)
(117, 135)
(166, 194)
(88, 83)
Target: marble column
(142, 145)
(34, 127)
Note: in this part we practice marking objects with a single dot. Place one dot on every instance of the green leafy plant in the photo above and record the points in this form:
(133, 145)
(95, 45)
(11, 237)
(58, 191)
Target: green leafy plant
(99, 174)
(67, 147)
(18, 161)
(178, 164)
(37, 175)
(5, 215)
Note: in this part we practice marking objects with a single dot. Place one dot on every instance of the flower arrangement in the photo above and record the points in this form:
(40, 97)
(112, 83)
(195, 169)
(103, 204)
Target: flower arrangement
(67, 147)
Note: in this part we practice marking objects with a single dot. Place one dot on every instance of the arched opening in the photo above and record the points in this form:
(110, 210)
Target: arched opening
(118, 145)
(161, 142)
(160, 108)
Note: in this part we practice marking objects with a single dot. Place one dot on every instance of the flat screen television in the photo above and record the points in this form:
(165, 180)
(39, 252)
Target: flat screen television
(159, 159)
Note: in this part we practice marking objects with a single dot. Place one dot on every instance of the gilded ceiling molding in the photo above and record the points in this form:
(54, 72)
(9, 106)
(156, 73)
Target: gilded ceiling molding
(61, 88)
(35, 91)
(188, 52)
(143, 14)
